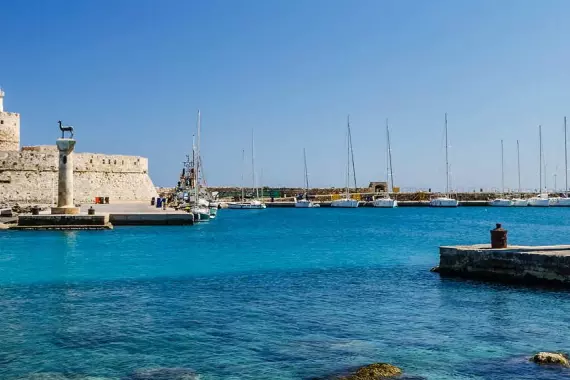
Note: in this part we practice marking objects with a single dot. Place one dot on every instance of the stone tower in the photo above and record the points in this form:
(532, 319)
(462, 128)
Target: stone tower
(9, 128)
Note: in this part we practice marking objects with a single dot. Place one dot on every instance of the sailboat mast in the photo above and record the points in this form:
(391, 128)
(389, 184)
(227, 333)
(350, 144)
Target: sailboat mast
(306, 174)
(519, 165)
(502, 169)
(194, 163)
(446, 159)
(347, 155)
(565, 158)
(242, 171)
(540, 156)
(254, 188)
(390, 157)
(387, 159)
(352, 155)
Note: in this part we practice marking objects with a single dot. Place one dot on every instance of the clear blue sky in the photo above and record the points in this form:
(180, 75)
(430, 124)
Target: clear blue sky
(130, 75)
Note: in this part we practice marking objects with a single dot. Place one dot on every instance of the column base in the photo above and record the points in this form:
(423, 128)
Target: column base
(67, 210)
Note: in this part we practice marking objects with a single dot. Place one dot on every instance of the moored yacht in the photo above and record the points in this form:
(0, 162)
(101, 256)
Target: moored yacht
(386, 201)
(346, 201)
(501, 201)
(540, 200)
(445, 201)
(305, 202)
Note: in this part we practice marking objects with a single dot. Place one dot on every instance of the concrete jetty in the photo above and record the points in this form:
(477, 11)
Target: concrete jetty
(548, 265)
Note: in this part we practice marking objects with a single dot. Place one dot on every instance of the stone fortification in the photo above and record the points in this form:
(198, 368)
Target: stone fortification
(30, 176)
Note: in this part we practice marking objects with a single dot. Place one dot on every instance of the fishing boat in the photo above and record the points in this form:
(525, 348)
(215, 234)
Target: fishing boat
(564, 201)
(346, 201)
(305, 202)
(540, 200)
(519, 202)
(502, 201)
(445, 201)
(386, 201)
(254, 204)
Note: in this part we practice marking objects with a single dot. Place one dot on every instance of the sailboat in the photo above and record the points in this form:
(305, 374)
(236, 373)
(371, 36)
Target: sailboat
(347, 202)
(564, 201)
(254, 204)
(305, 202)
(519, 202)
(502, 201)
(386, 201)
(540, 200)
(445, 201)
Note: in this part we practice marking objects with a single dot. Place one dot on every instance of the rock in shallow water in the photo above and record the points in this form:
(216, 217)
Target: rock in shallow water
(551, 358)
(376, 371)
(163, 374)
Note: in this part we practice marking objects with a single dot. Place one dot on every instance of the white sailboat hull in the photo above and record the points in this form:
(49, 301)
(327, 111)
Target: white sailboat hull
(501, 202)
(202, 213)
(444, 202)
(539, 201)
(517, 202)
(385, 203)
(345, 203)
(560, 202)
(253, 205)
(303, 203)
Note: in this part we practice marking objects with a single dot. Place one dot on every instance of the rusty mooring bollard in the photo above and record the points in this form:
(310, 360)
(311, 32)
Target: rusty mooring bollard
(91, 211)
(499, 237)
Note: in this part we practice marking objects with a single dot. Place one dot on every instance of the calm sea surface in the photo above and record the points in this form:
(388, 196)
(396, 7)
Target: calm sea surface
(276, 294)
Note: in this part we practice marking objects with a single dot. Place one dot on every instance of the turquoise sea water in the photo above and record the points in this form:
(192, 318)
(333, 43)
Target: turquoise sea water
(277, 294)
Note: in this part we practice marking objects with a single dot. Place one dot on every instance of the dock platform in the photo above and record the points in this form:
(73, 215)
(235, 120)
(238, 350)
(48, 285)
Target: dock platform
(549, 265)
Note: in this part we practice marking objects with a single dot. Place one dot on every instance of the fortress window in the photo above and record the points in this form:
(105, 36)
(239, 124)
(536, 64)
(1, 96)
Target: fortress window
(103, 161)
(115, 162)
(123, 162)
(1, 121)
(91, 161)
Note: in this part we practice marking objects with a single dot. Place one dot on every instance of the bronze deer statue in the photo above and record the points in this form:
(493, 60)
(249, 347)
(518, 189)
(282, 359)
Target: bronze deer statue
(65, 129)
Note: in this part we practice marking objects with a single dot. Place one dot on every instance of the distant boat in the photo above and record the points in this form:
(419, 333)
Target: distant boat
(564, 201)
(347, 202)
(519, 202)
(254, 204)
(540, 200)
(502, 201)
(305, 202)
(386, 201)
(445, 201)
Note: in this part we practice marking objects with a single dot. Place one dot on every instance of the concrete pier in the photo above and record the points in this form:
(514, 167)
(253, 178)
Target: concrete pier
(522, 264)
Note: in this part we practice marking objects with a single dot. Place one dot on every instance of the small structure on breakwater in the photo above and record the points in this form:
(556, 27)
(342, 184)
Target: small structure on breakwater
(549, 265)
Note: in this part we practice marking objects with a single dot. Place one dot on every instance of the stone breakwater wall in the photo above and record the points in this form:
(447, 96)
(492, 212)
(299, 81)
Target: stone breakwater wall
(547, 264)
(30, 176)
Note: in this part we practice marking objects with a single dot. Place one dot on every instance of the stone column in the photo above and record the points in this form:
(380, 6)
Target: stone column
(65, 203)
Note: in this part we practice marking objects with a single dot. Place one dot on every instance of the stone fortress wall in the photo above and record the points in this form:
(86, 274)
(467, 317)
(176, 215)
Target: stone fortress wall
(30, 175)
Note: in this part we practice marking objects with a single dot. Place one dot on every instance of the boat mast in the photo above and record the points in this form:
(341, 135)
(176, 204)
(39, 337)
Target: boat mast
(347, 156)
(194, 163)
(446, 160)
(351, 154)
(565, 158)
(519, 165)
(242, 171)
(540, 157)
(306, 175)
(197, 158)
(391, 187)
(254, 188)
(502, 169)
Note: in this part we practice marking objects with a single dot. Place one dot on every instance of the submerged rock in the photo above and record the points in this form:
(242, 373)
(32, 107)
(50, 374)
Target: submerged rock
(376, 371)
(551, 358)
(163, 374)
(373, 372)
